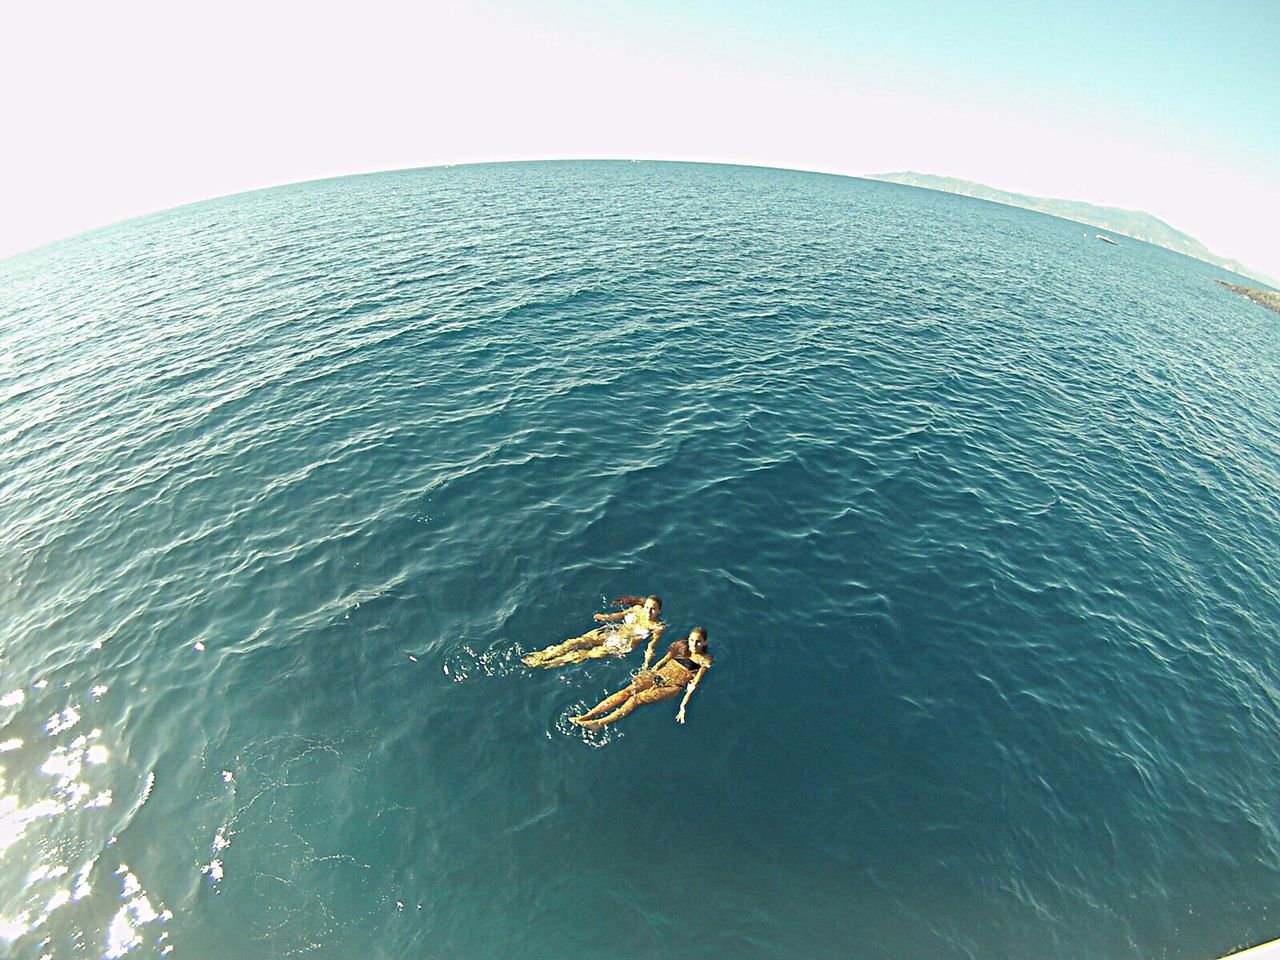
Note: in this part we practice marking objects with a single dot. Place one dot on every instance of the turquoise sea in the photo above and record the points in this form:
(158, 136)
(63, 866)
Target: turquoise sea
(982, 517)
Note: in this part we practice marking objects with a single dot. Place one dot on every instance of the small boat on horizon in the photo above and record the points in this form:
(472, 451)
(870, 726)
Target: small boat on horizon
(1114, 243)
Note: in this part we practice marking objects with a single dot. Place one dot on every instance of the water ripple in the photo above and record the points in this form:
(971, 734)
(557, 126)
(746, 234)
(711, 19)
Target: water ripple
(983, 521)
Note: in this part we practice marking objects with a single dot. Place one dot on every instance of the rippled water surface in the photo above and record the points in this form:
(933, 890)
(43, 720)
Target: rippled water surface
(982, 516)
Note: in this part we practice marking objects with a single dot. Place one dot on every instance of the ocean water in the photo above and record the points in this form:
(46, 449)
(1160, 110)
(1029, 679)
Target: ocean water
(982, 517)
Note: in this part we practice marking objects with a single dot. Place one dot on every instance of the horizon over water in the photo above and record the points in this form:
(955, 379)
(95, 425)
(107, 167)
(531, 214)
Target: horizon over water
(982, 517)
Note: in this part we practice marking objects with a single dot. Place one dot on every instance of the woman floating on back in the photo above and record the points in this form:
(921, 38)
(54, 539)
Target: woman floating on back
(681, 669)
(639, 623)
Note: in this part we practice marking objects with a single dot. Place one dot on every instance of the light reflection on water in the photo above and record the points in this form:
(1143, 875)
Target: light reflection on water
(57, 789)
(124, 933)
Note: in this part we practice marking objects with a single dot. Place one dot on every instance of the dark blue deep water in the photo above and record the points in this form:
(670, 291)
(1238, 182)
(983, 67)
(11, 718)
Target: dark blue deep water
(982, 516)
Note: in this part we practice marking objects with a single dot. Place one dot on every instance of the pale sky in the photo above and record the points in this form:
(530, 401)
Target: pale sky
(115, 110)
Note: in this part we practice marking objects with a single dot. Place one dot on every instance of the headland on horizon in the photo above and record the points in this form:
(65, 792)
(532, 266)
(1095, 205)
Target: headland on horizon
(1266, 298)
(1129, 223)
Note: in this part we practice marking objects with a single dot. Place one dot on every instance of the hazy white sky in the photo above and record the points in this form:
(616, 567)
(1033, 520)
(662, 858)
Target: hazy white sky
(117, 110)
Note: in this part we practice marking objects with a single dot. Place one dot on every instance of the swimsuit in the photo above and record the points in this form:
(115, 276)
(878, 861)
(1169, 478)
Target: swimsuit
(623, 640)
(662, 680)
(642, 633)
(616, 643)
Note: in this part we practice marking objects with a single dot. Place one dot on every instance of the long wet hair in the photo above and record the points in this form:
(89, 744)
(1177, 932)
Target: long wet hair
(626, 600)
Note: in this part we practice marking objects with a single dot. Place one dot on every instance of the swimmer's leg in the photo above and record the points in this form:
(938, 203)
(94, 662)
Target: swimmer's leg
(658, 694)
(642, 682)
(568, 657)
(649, 695)
(603, 650)
(608, 703)
(628, 705)
(552, 655)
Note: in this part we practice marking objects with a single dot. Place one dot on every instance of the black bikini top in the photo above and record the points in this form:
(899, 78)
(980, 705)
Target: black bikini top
(681, 654)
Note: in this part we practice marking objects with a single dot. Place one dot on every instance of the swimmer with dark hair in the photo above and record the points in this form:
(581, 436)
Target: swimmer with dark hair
(639, 622)
(681, 669)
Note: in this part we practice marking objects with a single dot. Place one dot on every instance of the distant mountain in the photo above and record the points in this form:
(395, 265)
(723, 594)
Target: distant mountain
(1129, 223)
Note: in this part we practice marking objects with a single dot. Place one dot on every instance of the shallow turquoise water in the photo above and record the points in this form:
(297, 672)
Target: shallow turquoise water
(982, 516)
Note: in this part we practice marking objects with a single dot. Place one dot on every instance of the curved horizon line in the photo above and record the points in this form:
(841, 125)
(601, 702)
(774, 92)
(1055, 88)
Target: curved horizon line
(868, 177)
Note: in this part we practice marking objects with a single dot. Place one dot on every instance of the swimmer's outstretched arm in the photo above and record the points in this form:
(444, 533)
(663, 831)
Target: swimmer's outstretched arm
(653, 644)
(693, 685)
(602, 617)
